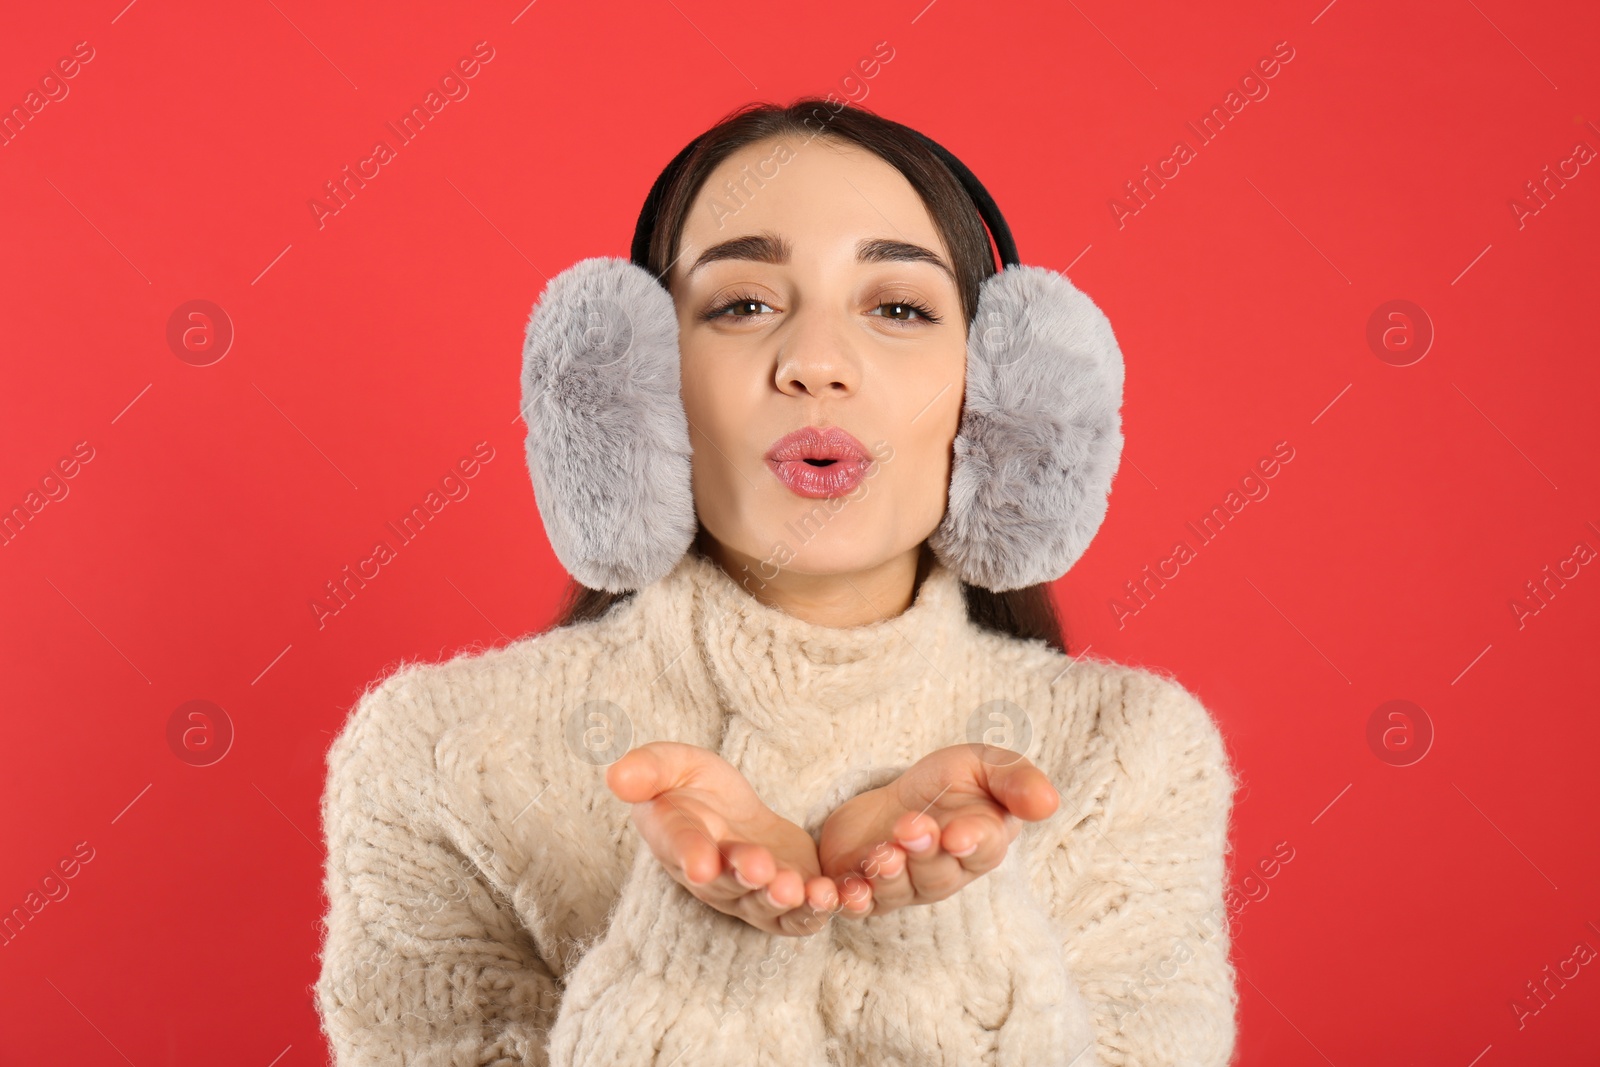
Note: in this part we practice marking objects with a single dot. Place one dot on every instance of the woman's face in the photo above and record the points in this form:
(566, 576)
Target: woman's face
(807, 320)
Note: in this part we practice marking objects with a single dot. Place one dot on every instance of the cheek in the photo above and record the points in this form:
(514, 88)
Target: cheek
(934, 456)
(923, 446)
(704, 393)
(937, 417)
(717, 407)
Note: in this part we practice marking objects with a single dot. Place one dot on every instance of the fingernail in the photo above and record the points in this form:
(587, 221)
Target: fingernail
(742, 880)
(919, 844)
(969, 850)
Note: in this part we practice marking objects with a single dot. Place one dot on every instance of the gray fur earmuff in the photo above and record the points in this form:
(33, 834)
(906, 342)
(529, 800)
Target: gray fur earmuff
(608, 442)
(608, 448)
(1040, 436)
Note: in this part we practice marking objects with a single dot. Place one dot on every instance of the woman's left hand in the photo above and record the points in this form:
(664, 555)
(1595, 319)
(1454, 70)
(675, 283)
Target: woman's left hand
(927, 834)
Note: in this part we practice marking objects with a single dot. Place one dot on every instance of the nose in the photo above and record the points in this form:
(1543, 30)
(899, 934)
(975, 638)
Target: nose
(817, 358)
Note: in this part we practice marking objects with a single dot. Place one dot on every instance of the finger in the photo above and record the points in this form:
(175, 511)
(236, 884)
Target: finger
(855, 897)
(767, 906)
(930, 868)
(751, 865)
(696, 855)
(809, 918)
(882, 858)
(916, 832)
(885, 870)
(749, 871)
(931, 872)
(822, 894)
(978, 841)
(882, 861)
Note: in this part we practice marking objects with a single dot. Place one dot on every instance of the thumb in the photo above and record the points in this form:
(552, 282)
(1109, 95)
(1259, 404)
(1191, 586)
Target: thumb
(644, 773)
(1022, 789)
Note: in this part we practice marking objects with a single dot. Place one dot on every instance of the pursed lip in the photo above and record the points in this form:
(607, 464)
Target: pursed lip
(818, 442)
(841, 461)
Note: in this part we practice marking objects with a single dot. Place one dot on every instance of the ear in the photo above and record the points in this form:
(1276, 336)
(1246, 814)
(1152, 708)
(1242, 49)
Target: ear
(1040, 435)
(608, 442)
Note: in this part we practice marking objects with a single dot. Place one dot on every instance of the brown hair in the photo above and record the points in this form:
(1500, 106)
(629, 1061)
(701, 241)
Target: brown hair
(1026, 613)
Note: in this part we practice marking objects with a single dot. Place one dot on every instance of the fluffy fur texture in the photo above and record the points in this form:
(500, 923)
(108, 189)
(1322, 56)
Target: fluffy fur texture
(1040, 435)
(492, 904)
(608, 443)
(1041, 432)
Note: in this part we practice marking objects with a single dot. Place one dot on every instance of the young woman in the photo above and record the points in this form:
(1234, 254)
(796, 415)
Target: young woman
(808, 798)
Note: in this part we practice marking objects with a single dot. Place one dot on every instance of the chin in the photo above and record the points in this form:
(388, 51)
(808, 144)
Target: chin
(834, 548)
(785, 534)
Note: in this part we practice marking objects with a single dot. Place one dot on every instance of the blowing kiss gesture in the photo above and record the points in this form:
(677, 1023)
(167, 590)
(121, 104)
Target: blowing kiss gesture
(948, 819)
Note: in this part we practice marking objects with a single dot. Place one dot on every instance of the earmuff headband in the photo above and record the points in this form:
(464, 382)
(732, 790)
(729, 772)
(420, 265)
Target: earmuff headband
(988, 210)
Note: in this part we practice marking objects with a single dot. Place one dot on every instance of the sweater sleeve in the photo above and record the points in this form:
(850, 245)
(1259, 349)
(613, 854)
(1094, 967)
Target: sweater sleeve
(427, 964)
(1133, 868)
(424, 963)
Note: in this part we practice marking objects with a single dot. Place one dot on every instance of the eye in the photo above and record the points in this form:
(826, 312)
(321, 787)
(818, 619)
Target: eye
(909, 305)
(738, 300)
(740, 304)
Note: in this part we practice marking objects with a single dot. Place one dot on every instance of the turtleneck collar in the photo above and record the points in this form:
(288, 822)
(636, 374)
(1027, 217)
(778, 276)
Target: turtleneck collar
(777, 669)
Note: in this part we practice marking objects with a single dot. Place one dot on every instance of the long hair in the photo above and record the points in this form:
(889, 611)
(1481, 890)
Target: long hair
(1026, 613)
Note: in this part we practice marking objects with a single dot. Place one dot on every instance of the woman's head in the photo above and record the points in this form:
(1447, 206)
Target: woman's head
(815, 288)
(825, 267)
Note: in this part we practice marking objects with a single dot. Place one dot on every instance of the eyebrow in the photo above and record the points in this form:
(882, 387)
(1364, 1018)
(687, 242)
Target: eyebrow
(774, 248)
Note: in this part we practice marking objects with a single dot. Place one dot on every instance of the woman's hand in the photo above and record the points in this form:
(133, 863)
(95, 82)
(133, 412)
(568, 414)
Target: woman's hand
(945, 821)
(717, 839)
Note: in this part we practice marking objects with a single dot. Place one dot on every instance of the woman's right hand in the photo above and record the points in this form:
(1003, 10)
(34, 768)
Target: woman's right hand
(715, 837)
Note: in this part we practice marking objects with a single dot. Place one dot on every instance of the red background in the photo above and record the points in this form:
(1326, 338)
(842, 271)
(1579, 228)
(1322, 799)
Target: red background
(372, 352)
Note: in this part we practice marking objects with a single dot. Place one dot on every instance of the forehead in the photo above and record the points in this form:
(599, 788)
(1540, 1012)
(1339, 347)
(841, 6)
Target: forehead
(822, 195)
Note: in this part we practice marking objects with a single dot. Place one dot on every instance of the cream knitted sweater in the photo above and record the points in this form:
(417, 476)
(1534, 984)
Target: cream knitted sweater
(492, 903)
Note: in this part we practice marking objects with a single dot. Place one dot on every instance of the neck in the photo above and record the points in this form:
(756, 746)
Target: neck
(805, 700)
(840, 599)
